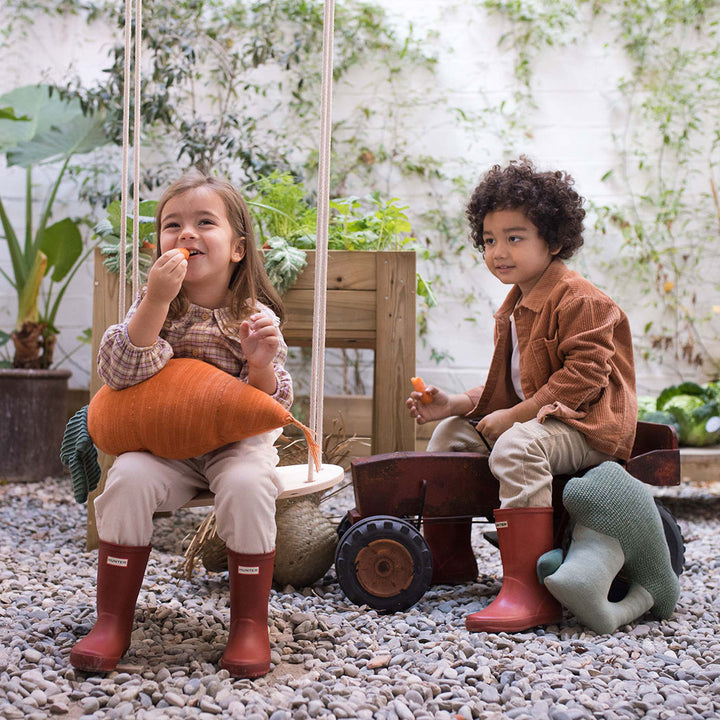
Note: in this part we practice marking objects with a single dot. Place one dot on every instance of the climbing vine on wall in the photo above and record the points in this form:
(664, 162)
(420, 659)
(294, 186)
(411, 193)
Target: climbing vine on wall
(669, 154)
(234, 84)
(669, 224)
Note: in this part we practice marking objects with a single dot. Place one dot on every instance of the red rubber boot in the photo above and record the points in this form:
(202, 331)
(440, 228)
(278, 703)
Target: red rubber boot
(121, 569)
(524, 534)
(247, 654)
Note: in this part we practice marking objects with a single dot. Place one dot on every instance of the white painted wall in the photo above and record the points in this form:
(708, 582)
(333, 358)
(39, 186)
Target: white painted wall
(578, 108)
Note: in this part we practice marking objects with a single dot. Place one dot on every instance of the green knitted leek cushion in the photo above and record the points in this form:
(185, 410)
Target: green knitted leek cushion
(79, 454)
(609, 500)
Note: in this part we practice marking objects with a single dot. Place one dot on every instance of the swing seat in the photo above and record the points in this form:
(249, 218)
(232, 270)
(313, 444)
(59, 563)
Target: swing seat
(293, 483)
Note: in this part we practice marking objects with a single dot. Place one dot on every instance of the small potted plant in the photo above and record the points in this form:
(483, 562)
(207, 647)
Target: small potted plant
(37, 126)
(372, 287)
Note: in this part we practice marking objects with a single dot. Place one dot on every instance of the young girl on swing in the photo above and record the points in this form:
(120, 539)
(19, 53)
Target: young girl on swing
(560, 391)
(207, 297)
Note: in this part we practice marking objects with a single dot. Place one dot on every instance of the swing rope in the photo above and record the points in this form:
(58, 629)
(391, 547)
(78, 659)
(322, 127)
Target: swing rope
(132, 76)
(317, 381)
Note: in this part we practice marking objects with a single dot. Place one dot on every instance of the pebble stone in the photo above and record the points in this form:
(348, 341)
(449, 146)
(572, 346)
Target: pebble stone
(329, 658)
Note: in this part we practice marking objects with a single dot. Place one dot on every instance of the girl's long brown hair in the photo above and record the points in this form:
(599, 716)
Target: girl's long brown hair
(249, 283)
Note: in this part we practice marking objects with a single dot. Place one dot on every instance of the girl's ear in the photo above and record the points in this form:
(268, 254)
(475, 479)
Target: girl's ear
(239, 251)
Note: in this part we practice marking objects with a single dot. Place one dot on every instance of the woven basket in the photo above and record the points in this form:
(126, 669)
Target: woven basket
(305, 545)
(306, 541)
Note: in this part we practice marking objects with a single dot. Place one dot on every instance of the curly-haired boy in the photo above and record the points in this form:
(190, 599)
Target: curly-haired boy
(560, 391)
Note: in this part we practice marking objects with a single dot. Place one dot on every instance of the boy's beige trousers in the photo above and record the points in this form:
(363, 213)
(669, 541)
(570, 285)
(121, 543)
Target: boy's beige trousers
(242, 476)
(524, 458)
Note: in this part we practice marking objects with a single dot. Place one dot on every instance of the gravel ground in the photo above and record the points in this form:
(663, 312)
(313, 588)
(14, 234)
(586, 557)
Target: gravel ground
(330, 658)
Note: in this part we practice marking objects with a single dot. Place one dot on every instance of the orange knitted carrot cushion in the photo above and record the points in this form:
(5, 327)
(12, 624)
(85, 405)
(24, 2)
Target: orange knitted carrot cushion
(188, 408)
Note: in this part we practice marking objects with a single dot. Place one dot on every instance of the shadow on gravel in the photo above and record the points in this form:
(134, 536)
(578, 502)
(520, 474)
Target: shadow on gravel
(694, 508)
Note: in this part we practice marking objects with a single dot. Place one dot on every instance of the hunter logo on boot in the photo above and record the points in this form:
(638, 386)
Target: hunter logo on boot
(242, 570)
(117, 562)
(501, 524)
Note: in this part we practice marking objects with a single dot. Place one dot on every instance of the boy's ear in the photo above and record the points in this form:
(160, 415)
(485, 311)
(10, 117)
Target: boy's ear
(555, 251)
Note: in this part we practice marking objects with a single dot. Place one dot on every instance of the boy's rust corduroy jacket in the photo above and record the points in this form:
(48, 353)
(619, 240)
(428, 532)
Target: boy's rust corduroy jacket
(576, 360)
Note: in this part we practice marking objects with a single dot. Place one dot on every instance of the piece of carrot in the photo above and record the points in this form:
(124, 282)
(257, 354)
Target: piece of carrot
(419, 386)
(185, 252)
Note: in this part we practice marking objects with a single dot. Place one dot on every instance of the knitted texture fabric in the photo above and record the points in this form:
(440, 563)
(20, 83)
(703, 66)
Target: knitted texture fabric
(79, 454)
(610, 501)
(186, 409)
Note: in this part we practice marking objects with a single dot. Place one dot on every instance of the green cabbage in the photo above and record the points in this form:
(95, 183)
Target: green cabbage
(646, 404)
(713, 388)
(696, 410)
(664, 418)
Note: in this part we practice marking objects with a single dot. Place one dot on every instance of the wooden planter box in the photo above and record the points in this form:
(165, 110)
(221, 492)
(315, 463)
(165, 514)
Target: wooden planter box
(370, 304)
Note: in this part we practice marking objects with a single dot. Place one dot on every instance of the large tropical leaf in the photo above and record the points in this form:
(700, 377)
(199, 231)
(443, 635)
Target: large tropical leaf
(81, 135)
(39, 110)
(63, 245)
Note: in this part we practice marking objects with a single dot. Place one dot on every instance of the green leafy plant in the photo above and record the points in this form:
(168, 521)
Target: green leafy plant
(369, 223)
(287, 222)
(693, 409)
(38, 127)
(281, 208)
(283, 263)
(108, 231)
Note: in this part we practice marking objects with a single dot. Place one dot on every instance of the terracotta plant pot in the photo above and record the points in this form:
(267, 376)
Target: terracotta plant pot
(33, 413)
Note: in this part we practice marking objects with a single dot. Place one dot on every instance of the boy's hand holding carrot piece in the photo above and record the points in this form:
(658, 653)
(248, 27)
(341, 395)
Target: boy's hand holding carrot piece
(419, 386)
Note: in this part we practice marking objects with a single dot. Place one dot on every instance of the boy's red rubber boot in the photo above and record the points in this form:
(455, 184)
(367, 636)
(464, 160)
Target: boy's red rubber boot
(121, 569)
(524, 534)
(453, 557)
(247, 654)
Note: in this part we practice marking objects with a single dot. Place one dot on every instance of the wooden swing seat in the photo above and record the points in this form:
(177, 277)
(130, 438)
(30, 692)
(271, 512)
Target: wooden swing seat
(293, 483)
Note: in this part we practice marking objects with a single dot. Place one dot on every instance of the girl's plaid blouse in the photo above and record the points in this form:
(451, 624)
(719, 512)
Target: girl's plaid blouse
(204, 334)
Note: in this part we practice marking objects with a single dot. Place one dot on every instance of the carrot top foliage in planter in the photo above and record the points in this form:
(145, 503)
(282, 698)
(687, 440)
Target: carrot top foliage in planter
(37, 127)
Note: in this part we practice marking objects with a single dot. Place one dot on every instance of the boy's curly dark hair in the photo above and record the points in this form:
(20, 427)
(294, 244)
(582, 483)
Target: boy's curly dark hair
(546, 198)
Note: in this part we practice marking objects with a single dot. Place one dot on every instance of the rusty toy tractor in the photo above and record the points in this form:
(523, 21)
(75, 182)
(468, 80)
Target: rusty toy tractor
(384, 561)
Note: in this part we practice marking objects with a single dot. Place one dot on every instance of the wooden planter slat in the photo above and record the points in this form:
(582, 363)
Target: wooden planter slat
(350, 318)
(346, 270)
